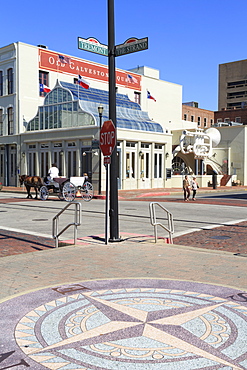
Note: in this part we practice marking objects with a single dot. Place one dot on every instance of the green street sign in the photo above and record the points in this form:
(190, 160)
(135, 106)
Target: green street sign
(131, 47)
(91, 44)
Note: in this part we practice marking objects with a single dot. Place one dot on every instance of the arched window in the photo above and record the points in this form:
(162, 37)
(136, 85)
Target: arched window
(60, 111)
(179, 167)
(10, 80)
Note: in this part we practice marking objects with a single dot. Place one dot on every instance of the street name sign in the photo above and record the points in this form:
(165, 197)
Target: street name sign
(107, 141)
(93, 45)
(131, 46)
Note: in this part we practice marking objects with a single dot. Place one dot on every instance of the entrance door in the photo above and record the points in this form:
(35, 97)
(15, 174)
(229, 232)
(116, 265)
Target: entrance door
(71, 163)
(2, 163)
(145, 170)
(12, 165)
(32, 170)
(158, 170)
(130, 170)
(57, 158)
(86, 162)
(119, 166)
(44, 164)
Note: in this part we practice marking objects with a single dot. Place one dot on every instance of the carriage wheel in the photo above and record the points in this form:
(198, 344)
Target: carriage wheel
(43, 192)
(87, 193)
(69, 191)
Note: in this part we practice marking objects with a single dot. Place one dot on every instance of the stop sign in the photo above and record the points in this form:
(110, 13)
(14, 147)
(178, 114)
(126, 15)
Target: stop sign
(107, 140)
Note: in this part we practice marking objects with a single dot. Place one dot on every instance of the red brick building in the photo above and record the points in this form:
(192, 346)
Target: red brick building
(231, 115)
(203, 117)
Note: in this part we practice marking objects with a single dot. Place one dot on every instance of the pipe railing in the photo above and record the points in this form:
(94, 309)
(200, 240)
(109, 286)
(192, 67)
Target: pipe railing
(153, 219)
(76, 223)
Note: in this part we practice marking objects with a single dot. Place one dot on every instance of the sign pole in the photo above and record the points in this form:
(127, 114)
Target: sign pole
(107, 204)
(114, 223)
(130, 46)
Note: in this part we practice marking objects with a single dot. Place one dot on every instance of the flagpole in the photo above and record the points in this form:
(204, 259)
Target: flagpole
(57, 67)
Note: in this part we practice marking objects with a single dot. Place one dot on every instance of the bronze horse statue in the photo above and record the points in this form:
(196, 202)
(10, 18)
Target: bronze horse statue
(31, 182)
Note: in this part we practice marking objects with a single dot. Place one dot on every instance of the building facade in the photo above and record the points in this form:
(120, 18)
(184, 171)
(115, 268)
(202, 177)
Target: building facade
(231, 116)
(231, 155)
(232, 89)
(38, 128)
(47, 117)
(202, 117)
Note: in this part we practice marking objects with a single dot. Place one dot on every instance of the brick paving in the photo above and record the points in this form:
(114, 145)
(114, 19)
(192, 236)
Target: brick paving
(12, 243)
(230, 238)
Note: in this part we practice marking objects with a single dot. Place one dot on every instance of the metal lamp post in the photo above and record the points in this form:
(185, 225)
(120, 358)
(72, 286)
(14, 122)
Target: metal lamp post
(114, 225)
(112, 51)
(100, 111)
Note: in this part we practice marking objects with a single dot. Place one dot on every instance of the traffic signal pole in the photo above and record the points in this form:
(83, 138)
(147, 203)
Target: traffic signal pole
(113, 212)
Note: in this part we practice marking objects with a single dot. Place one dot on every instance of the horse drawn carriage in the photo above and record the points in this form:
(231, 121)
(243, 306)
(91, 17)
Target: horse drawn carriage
(67, 189)
(64, 188)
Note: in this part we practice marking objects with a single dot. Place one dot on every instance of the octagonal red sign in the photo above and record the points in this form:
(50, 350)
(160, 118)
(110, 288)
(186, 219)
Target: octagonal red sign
(107, 138)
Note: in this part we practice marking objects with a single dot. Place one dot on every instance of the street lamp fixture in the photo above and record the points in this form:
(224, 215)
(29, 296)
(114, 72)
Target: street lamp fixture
(100, 111)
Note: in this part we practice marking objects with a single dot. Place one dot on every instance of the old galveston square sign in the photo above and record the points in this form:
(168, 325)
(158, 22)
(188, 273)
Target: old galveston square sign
(49, 60)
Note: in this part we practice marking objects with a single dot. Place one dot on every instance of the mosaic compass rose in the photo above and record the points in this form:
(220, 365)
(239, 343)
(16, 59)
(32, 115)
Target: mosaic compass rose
(135, 328)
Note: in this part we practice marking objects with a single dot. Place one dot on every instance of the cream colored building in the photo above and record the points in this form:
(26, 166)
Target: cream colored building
(144, 139)
(231, 153)
(62, 126)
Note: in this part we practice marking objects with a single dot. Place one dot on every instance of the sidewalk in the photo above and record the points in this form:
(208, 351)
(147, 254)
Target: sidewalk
(142, 193)
(214, 256)
(135, 257)
(231, 238)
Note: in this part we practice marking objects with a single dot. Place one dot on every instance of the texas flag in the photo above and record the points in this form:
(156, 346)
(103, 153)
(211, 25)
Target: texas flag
(83, 83)
(44, 88)
(149, 96)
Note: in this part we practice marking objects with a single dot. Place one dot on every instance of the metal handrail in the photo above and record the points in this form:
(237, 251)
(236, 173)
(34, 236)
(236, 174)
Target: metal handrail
(153, 220)
(77, 222)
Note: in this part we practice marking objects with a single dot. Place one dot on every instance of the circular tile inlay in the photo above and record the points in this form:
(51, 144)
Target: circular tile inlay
(128, 324)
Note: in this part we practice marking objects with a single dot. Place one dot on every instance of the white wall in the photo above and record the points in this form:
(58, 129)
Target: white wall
(7, 60)
(28, 76)
(167, 110)
(233, 140)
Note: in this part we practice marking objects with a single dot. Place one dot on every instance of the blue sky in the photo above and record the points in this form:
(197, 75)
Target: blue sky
(188, 39)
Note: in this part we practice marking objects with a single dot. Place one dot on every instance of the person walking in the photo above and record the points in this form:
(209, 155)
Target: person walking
(186, 188)
(194, 187)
